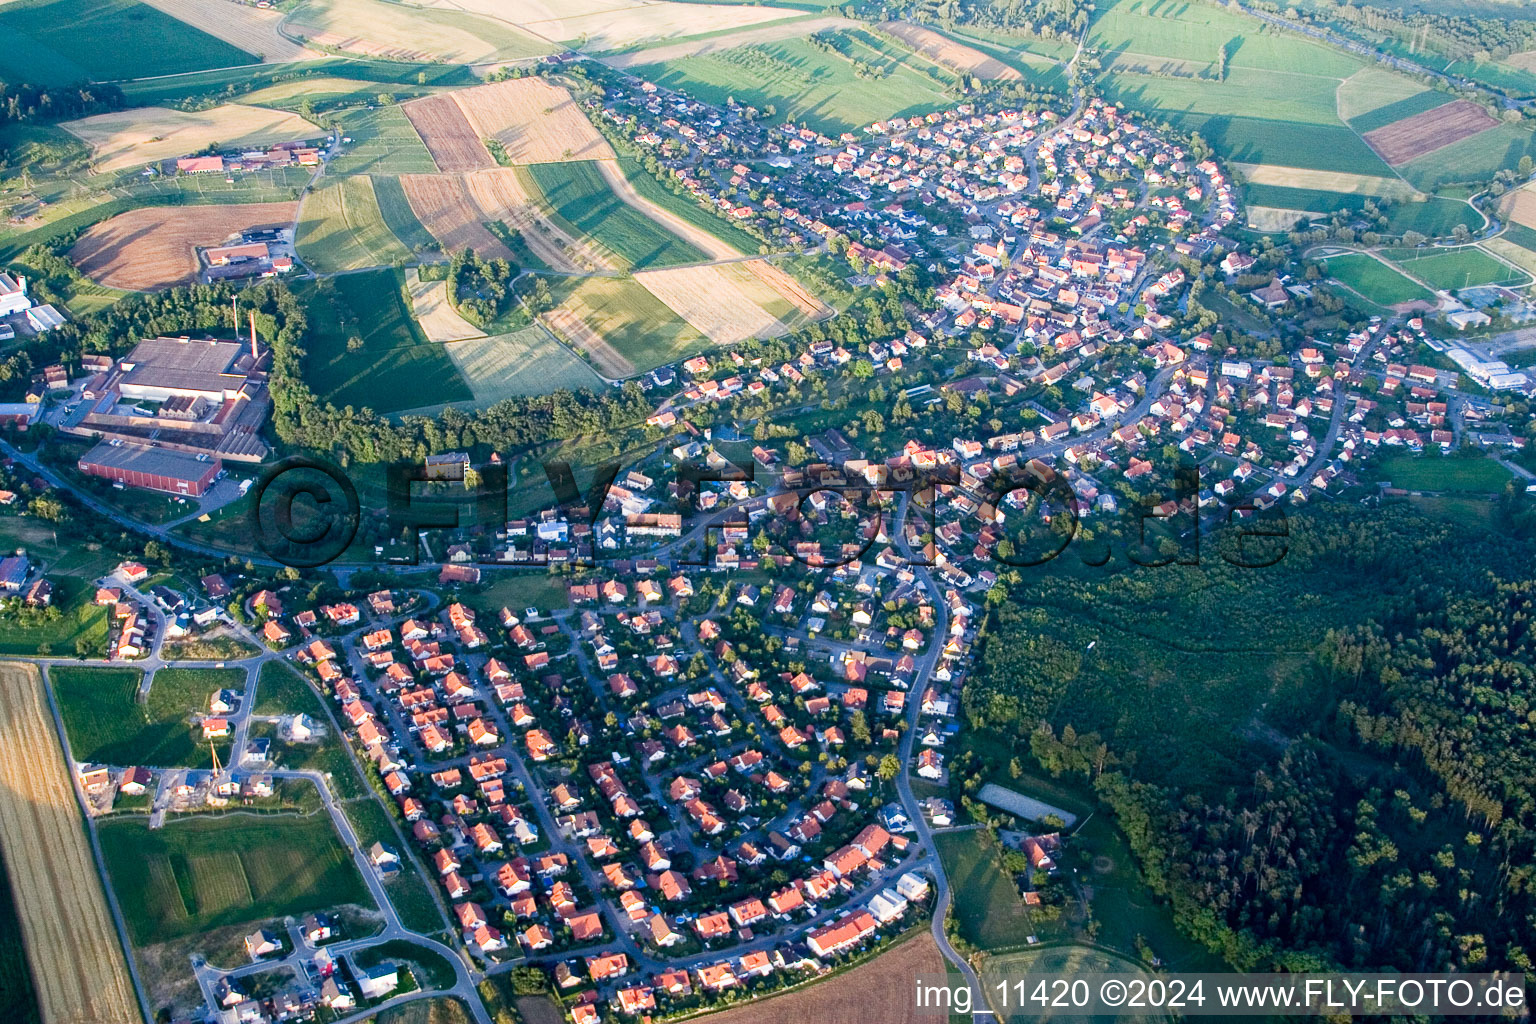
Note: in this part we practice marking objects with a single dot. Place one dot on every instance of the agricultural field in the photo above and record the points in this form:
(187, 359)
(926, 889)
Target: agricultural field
(1459, 474)
(806, 84)
(1452, 269)
(429, 304)
(1519, 206)
(128, 139)
(18, 996)
(654, 198)
(1472, 159)
(599, 25)
(729, 302)
(503, 198)
(55, 42)
(1435, 216)
(525, 362)
(992, 914)
(534, 121)
(1325, 181)
(383, 142)
(394, 31)
(455, 145)
(878, 990)
(715, 42)
(623, 328)
(342, 228)
(245, 27)
(1406, 140)
(399, 217)
(941, 49)
(1375, 96)
(154, 247)
(79, 973)
(393, 366)
(1375, 280)
(443, 204)
(1517, 244)
(208, 871)
(578, 195)
(106, 722)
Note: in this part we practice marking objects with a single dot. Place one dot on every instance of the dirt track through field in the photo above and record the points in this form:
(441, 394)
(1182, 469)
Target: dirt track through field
(711, 246)
(453, 143)
(608, 360)
(252, 29)
(943, 50)
(77, 964)
(1415, 136)
(790, 288)
(442, 204)
(500, 196)
(154, 247)
(534, 121)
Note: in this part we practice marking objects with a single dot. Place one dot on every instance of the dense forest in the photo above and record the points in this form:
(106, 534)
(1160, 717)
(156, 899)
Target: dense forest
(1053, 19)
(1323, 763)
(21, 103)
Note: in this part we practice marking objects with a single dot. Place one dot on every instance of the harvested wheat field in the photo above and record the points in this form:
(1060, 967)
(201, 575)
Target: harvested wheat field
(152, 248)
(77, 964)
(880, 990)
(535, 122)
(610, 25)
(145, 135)
(1519, 206)
(429, 302)
(1412, 137)
(943, 50)
(454, 145)
(407, 32)
(501, 197)
(1328, 181)
(714, 248)
(609, 361)
(724, 300)
(1274, 218)
(790, 289)
(252, 29)
(442, 204)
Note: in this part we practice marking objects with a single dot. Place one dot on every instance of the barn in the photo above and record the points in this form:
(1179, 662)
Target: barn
(156, 469)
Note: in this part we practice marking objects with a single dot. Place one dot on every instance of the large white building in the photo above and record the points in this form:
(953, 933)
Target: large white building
(13, 295)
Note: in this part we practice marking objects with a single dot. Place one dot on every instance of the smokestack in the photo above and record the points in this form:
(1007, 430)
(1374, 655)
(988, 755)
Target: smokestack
(253, 336)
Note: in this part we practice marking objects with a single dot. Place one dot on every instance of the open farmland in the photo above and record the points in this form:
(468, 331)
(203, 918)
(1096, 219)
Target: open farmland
(1375, 280)
(383, 142)
(727, 301)
(578, 195)
(804, 83)
(151, 248)
(1413, 137)
(342, 228)
(394, 366)
(147, 135)
(790, 289)
(602, 25)
(454, 144)
(692, 46)
(1519, 206)
(943, 50)
(439, 321)
(213, 872)
(54, 42)
(1374, 88)
(879, 990)
(1450, 269)
(442, 203)
(77, 965)
(621, 326)
(1066, 961)
(500, 195)
(1326, 181)
(243, 26)
(688, 229)
(399, 217)
(1474, 159)
(395, 31)
(535, 122)
(525, 362)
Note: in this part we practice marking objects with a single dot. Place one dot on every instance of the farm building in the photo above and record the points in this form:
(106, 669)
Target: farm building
(18, 414)
(200, 395)
(156, 469)
(13, 294)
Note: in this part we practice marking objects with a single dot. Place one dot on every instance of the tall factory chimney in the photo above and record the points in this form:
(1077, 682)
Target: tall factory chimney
(253, 336)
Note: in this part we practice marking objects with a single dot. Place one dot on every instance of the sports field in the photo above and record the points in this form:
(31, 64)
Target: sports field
(55, 42)
(615, 317)
(525, 362)
(578, 196)
(147, 135)
(78, 972)
(1375, 280)
(400, 32)
(1451, 269)
(1466, 475)
(393, 367)
(342, 228)
(805, 83)
(383, 142)
(106, 722)
(209, 872)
